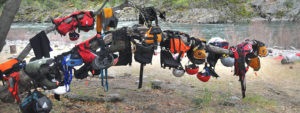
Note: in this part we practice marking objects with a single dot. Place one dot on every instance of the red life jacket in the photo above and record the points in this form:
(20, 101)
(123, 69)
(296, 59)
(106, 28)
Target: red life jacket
(240, 53)
(84, 50)
(15, 89)
(83, 20)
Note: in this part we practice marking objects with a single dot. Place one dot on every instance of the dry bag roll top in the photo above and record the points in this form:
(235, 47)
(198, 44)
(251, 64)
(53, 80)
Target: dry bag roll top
(83, 20)
(153, 35)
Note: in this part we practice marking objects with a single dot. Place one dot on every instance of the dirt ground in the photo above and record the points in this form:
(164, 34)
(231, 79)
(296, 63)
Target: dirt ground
(274, 89)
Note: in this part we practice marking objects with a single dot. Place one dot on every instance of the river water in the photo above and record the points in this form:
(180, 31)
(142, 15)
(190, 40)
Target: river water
(207, 30)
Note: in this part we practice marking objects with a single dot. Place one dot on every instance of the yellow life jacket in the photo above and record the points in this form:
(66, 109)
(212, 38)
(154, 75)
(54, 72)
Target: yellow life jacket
(150, 35)
(107, 13)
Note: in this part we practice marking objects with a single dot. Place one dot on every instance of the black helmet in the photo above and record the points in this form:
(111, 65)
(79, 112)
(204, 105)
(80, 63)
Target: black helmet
(103, 62)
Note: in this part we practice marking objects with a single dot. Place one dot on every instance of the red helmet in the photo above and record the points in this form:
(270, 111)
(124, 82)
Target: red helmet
(191, 69)
(204, 77)
(73, 36)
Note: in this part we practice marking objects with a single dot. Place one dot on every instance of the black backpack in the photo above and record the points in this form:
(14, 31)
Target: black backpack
(144, 53)
(36, 102)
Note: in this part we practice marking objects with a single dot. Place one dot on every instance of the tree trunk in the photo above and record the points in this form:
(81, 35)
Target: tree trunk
(10, 9)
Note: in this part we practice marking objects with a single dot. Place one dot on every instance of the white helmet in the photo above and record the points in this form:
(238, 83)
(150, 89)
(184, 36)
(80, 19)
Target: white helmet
(178, 72)
(227, 61)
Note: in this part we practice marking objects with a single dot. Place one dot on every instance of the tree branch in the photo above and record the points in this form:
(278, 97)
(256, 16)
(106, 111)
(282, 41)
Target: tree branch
(10, 9)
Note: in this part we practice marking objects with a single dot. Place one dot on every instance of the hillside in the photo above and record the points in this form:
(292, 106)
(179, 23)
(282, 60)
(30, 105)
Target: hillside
(182, 11)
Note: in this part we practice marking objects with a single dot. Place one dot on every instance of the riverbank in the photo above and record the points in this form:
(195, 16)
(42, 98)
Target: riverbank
(183, 11)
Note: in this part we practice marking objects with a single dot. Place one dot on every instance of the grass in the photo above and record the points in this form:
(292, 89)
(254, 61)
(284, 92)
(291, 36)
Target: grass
(204, 99)
(259, 101)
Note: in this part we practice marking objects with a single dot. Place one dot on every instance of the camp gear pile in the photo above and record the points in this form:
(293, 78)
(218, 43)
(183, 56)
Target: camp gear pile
(97, 56)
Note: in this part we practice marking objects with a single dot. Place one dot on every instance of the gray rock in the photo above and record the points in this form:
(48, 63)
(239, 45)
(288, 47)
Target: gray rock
(156, 84)
(235, 98)
(114, 98)
(228, 104)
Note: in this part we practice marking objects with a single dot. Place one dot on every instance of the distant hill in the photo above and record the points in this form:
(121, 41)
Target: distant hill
(183, 11)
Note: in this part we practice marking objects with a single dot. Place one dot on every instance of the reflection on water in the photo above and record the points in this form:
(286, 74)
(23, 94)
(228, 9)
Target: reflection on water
(208, 30)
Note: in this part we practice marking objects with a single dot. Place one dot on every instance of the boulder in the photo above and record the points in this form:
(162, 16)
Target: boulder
(156, 84)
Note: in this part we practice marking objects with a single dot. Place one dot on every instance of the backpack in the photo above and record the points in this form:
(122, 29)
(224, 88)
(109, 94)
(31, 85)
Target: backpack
(144, 53)
(36, 102)
(83, 20)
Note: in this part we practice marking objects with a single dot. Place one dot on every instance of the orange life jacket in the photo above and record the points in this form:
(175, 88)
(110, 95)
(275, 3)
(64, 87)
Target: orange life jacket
(177, 45)
(153, 35)
(6, 66)
(105, 17)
